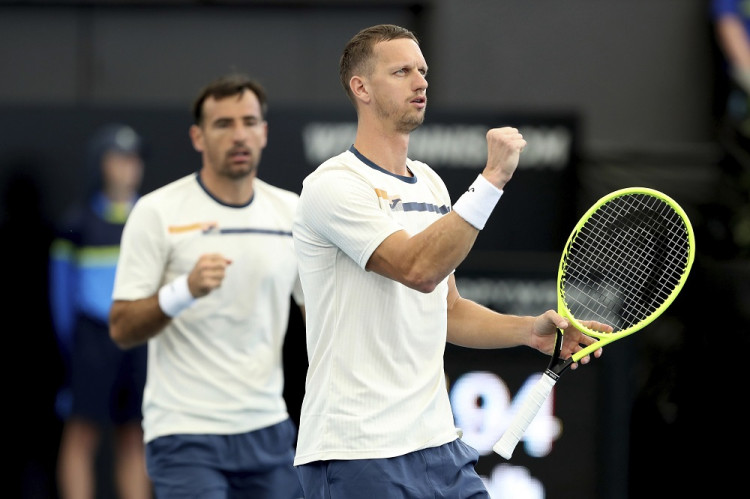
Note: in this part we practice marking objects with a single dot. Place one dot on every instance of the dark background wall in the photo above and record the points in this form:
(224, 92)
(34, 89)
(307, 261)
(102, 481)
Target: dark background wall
(640, 75)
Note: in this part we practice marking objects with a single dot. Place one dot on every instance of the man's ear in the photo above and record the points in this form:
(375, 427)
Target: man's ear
(359, 88)
(196, 136)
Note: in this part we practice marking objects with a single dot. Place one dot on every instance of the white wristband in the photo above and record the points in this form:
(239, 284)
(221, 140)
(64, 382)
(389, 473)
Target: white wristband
(477, 203)
(174, 297)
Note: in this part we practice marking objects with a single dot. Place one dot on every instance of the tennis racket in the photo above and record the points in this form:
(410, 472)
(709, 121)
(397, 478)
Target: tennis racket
(624, 263)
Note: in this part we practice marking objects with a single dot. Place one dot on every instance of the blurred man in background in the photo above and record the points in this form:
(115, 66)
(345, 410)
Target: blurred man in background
(206, 277)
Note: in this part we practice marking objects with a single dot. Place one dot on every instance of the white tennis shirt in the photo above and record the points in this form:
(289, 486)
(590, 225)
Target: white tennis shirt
(375, 384)
(217, 367)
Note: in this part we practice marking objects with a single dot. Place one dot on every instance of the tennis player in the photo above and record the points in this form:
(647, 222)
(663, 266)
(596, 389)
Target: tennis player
(205, 275)
(377, 242)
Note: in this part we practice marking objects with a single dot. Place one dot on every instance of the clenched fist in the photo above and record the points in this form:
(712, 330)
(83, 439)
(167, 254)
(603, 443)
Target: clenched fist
(504, 147)
(207, 274)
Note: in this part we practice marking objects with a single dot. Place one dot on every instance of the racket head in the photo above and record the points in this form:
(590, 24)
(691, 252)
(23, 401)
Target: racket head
(624, 263)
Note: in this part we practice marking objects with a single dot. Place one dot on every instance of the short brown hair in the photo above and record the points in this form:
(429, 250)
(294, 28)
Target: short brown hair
(227, 86)
(358, 52)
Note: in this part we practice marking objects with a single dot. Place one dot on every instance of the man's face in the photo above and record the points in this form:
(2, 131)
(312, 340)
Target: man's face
(232, 136)
(398, 83)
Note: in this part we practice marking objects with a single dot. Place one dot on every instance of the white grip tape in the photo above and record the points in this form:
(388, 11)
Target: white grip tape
(174, 297)
(525, 415)
(476, 204)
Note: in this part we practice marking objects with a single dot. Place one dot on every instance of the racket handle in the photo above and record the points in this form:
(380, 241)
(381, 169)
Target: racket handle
(525, 415)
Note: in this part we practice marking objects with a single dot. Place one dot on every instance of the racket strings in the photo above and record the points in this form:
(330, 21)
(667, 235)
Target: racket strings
(625, 261)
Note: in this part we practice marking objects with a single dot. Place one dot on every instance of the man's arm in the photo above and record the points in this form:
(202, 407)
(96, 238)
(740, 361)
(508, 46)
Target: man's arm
(423, 260)
(475, 326)
(735, 44)
(134, 322)
(733, 40)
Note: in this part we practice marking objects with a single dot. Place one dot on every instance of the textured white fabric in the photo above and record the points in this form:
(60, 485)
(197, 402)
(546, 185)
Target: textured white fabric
(216, 368)
(375, 384)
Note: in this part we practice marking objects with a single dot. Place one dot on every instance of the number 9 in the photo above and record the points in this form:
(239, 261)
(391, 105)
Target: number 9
(480, 402)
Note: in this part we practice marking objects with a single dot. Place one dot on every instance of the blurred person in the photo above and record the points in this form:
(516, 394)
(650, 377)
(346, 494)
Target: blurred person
(104, 385)
(377, 243)
(727, 217)
(206, 276)
(731, 20)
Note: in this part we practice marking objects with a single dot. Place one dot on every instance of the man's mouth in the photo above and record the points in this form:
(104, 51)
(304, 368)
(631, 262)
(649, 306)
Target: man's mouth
(239, 155)
(420, 101)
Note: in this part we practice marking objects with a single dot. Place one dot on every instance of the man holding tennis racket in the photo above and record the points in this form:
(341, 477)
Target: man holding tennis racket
(377, 243)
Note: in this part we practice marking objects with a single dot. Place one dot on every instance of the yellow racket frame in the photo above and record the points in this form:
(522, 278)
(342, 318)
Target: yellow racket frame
(606, 338)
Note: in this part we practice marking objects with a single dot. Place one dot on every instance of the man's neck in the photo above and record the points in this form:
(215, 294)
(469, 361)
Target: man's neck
(387, 150)
(229, 191)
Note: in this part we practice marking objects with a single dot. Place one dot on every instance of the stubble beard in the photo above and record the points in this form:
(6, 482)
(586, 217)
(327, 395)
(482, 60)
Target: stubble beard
(233, 171)
(409, 122)
(406, 123)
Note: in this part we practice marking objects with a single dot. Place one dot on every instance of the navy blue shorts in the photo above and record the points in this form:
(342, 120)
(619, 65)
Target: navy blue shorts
(439, 472)
(257, 464)
(106, 382)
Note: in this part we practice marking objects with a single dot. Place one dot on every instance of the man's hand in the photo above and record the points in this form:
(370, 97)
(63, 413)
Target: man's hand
(504, 147)
(207, 274)
(544, 335)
